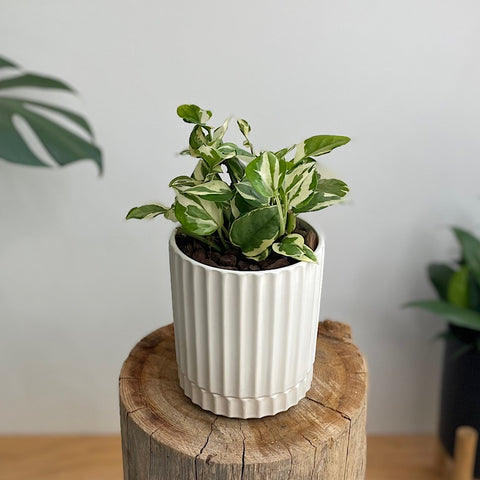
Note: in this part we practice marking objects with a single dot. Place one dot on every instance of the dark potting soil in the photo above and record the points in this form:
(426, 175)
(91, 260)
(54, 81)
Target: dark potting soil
(233, 259)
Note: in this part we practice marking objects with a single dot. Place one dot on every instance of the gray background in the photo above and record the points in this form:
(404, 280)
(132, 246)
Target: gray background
(79, 285)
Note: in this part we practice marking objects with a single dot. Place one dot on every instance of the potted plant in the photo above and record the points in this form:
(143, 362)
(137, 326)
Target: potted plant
(246, 273)
(458, 289)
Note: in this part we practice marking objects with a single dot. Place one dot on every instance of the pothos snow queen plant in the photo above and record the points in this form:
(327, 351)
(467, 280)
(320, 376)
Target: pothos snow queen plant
(246, 273)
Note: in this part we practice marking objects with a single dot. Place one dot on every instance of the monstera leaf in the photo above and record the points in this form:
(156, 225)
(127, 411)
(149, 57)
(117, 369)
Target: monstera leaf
(63, 145)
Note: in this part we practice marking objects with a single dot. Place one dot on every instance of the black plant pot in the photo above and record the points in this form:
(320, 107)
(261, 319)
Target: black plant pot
(460, 401)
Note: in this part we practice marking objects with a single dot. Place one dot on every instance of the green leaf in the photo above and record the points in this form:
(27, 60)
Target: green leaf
(197, 138)
(461, 317)
(261, 256)
(457, 292)
(250, 194)
(255, 231)
(183, 182)
(473, 293)
(300, 183)
(328, 191)
(293, 245)
(35, 81)
(201, 171)
(219, 132)
(318, 145)
(470, 250)
(198, 216)
(63, 145)
(266, 173)
(281, 153)
(241, 154)
(4, 63)
(245, 129)
(170, 214)
(193, 114)
(215, 190)
(212, 156)
(239, 206)
(146, 211)
(440, 275)
(235, 169)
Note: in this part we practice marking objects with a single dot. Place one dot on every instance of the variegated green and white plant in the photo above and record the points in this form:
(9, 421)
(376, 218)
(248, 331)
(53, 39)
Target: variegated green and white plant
(248, 199)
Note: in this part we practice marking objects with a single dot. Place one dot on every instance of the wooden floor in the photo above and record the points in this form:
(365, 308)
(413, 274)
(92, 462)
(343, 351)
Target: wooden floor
(99, 458)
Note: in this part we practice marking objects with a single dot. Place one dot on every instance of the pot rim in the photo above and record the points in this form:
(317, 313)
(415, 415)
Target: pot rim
(275, 271)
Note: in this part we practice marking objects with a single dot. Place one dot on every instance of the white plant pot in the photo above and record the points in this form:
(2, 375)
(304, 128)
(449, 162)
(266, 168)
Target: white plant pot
(245, 341)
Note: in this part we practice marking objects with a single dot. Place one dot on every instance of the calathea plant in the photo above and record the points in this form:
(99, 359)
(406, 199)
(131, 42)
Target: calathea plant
(241, 198)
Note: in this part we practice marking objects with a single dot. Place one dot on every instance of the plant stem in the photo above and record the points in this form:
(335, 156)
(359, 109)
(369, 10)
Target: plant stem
(222, 239)
(282, 216)
(209, 242)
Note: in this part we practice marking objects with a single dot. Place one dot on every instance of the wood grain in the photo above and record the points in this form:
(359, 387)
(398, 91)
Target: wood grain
(166, 436)
(100, 458)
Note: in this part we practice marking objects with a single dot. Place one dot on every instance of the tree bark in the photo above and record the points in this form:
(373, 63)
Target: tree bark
(166, 437)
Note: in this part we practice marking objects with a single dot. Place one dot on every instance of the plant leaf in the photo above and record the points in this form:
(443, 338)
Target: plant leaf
(318, 145)
(261, 256)
(440, 275)
(215, 190)
(470, 250)
(255, 231)
(170, 214)
(4, 63)
(473, 293)
(457, 292)
(266, 173)
(197, 215)
(461, 317)
(219, 132)
(235, 169)
(147, 211)
(244, 127)
(293, 245)
(193, 114)
(35, 81)
(300, 183)
(63, 145)
(250, 194)
(281, 153)
(213, 156)
(197, 137)
(239, 206)
(241, 154)
(328, 191)
(201, 171)
(183, 182)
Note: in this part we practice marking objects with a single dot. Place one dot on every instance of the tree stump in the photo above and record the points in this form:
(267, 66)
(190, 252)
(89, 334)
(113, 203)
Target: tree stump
(166, 437)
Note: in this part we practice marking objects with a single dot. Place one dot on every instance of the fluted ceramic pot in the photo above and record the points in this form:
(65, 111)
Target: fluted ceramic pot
(245, 341)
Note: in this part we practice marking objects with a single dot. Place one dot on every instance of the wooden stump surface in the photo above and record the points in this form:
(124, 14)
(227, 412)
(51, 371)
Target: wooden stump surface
(166, 436)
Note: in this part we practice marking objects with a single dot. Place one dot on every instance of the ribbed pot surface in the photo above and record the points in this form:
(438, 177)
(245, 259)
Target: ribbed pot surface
(245, 341)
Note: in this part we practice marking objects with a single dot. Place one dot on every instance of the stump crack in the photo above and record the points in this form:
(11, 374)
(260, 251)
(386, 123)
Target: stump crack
(314, 454)
(344, 415)
(204, 446)
(291, 462)
(135, 410)
(243, 450)
(348, 448)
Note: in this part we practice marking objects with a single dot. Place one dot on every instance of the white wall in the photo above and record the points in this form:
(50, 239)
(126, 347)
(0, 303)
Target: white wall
(79, 286)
